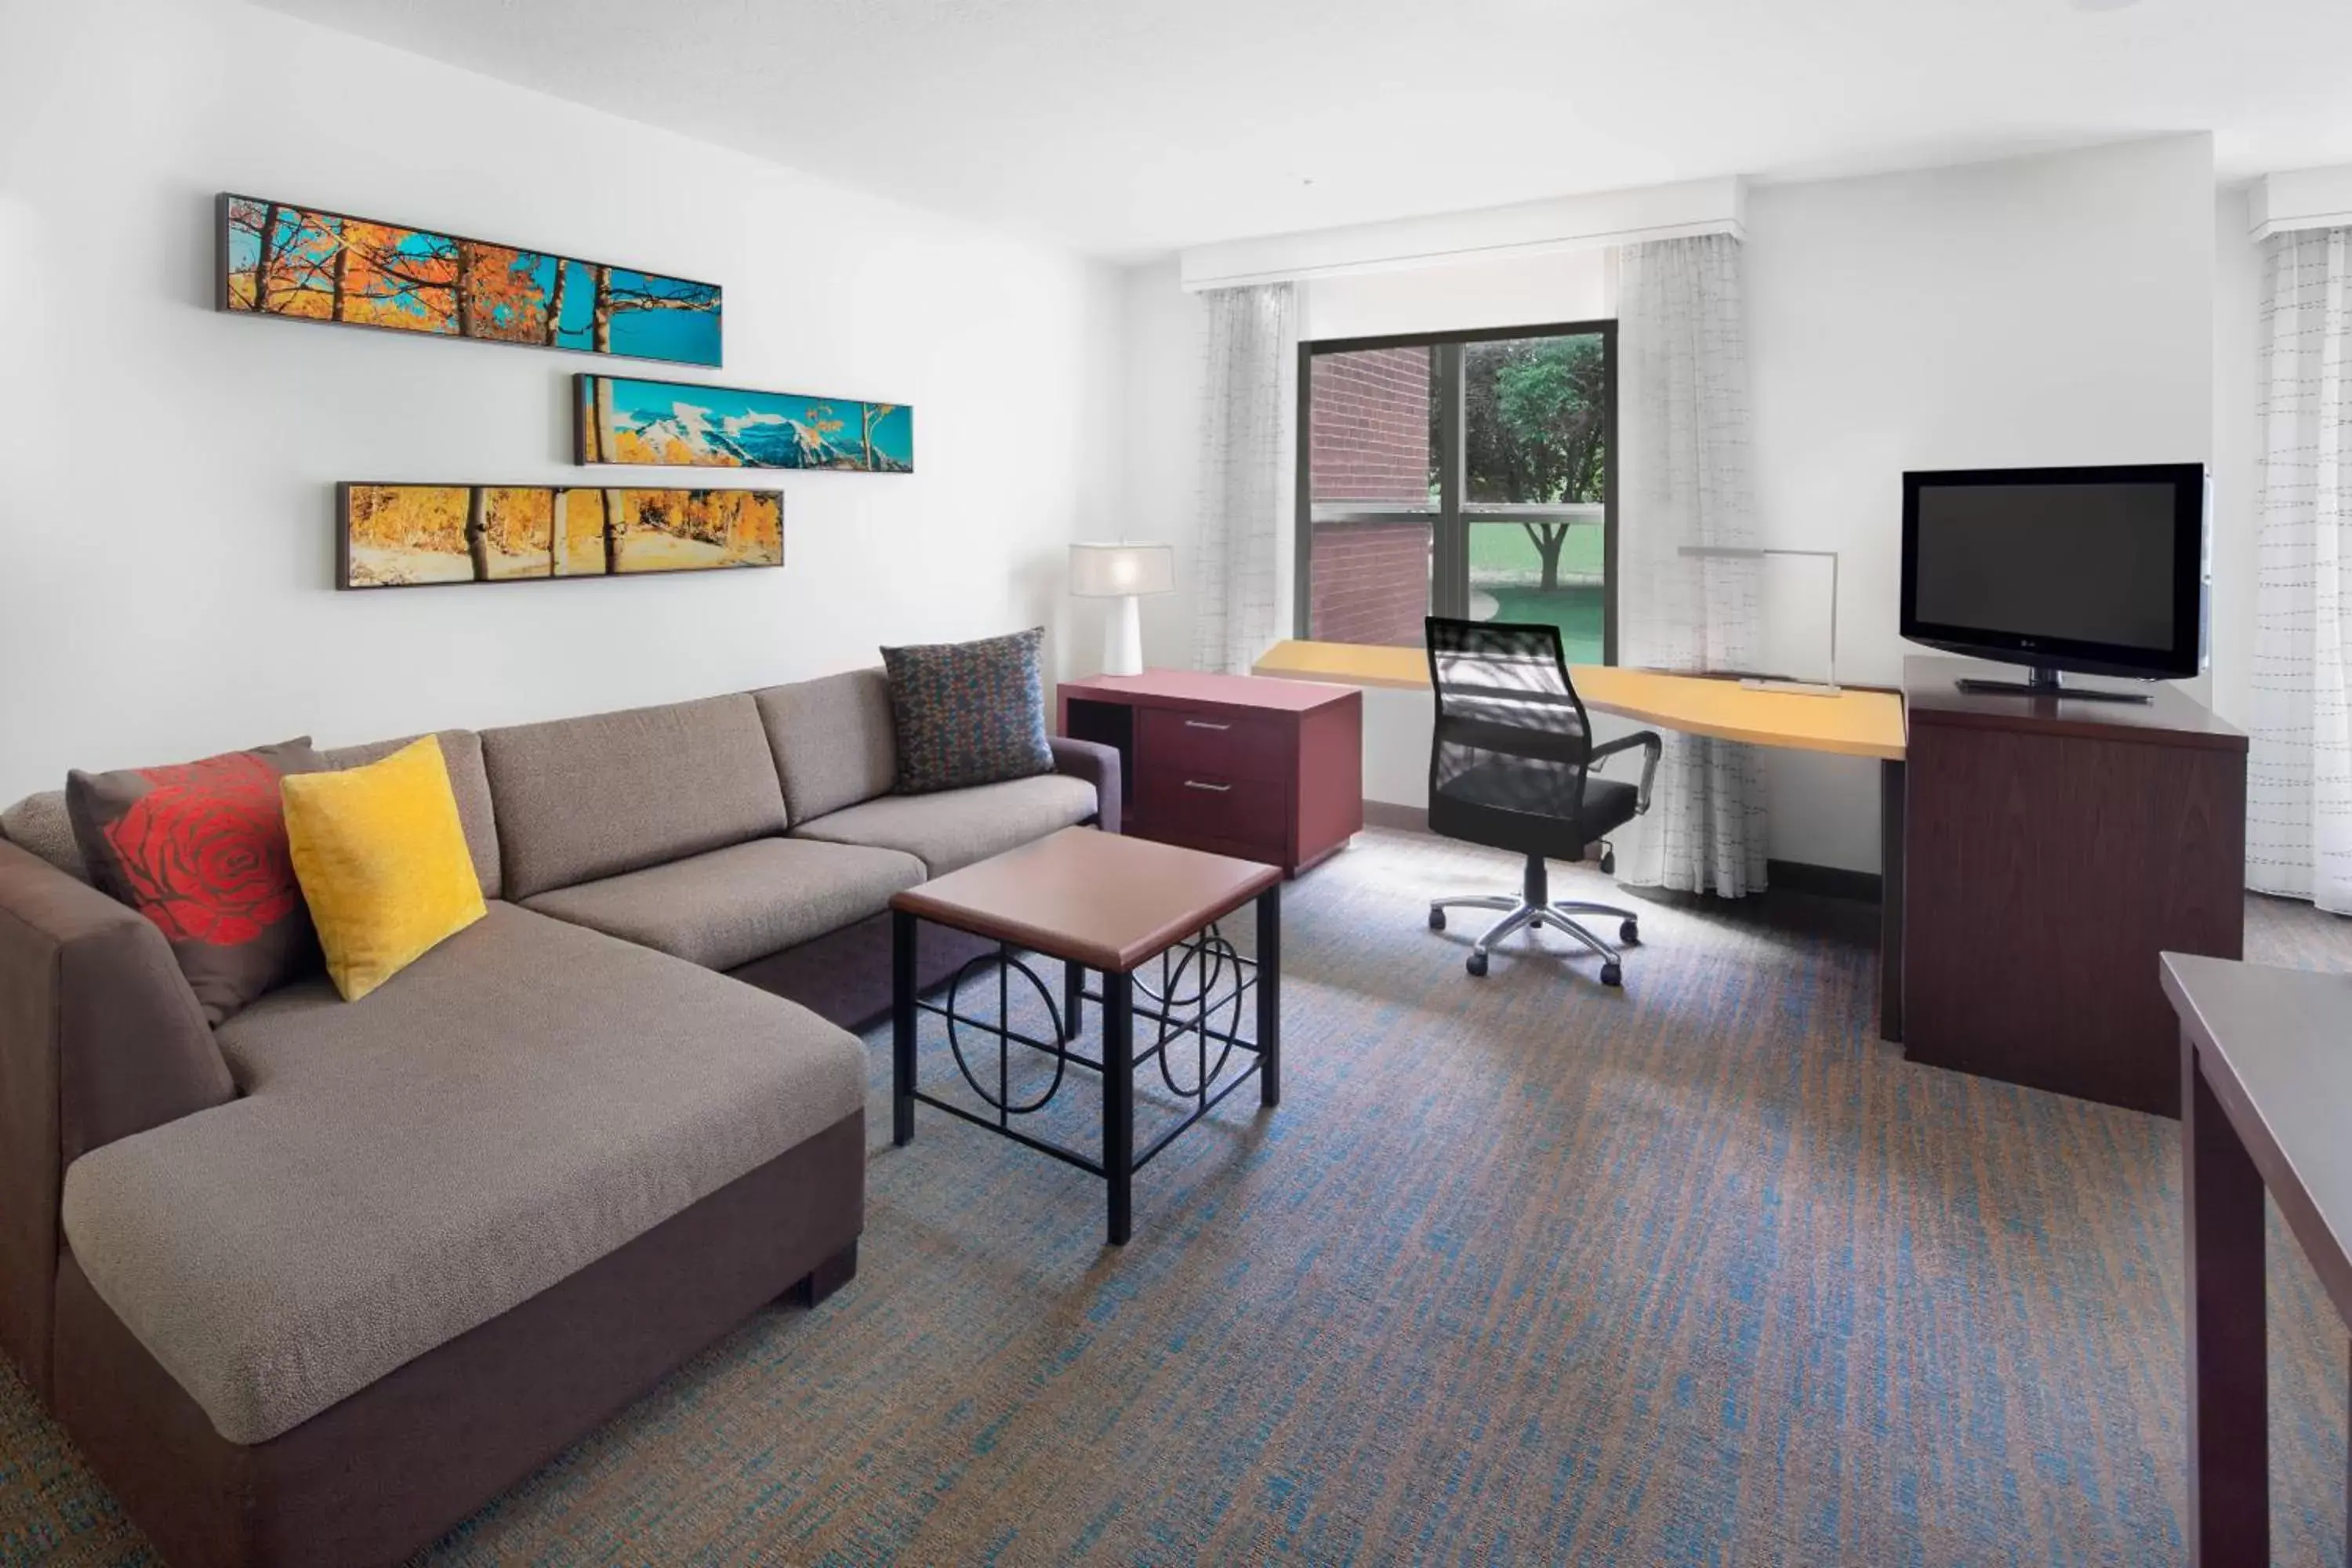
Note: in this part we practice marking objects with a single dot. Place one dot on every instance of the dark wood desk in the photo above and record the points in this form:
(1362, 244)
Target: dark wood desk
(2267, 1100)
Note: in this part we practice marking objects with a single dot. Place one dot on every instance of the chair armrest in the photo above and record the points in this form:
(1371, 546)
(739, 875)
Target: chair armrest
(1652, 747)
(1098, 765)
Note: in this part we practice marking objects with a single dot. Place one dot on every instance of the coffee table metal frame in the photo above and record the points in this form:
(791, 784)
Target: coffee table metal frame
(1199, 961)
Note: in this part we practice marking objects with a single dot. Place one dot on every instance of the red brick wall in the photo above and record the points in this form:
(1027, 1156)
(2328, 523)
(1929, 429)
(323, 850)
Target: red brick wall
(1369, 583)
(1369, 426)
(1369, 441)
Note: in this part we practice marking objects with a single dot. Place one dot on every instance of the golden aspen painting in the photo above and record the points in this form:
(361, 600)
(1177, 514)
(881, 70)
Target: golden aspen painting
(277, 258)
(404, 536)
(682, 424)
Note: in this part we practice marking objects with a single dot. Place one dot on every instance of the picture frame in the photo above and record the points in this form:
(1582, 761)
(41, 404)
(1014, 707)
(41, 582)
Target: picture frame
(289, 261)
(681, 424)
(409, 534)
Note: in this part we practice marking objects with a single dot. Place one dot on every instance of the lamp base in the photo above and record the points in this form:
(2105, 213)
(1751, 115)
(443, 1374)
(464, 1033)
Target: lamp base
(1794, 688)
(1123, 637)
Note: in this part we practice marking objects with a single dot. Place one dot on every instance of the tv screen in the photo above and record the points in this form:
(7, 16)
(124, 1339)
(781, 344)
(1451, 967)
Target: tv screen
(2087, 569)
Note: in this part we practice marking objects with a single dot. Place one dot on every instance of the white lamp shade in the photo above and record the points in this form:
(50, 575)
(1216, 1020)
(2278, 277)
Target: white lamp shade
(1114, 571)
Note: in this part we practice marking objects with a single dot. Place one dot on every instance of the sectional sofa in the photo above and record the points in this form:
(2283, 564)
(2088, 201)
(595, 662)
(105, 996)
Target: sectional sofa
(312, 1285)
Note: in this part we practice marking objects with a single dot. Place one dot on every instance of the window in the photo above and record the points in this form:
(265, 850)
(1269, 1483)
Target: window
(1462, 474)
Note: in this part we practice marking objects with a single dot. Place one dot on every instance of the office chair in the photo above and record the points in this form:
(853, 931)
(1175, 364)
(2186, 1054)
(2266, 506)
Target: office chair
(1510, 767)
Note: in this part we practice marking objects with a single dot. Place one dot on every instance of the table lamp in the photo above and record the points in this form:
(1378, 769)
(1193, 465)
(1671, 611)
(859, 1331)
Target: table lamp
(1122, 572)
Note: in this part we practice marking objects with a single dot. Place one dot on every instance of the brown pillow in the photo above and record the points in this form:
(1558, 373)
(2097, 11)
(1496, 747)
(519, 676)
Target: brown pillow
(200, 849)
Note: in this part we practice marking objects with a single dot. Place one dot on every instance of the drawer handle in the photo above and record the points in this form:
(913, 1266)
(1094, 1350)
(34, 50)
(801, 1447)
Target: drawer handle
(1212, 788)
(1204, 724)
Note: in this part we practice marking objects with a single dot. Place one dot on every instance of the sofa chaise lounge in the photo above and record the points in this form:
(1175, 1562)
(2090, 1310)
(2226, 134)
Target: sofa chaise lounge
(313, 1285)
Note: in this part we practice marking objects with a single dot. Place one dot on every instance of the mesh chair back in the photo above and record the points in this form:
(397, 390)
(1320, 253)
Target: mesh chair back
(1511, 737)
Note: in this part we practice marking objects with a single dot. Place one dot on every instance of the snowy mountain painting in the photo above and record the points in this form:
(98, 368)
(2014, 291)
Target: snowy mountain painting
(621, 419)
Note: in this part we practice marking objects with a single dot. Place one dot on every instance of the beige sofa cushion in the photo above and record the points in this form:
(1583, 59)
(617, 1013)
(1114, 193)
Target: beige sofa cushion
(520, 1102)
(38, 823)
(468, 781)
(955, 827)
(584, 798)
(832, 739)
(743, 902)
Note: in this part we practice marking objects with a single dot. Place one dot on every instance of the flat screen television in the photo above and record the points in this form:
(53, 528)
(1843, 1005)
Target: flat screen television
(2095, 569)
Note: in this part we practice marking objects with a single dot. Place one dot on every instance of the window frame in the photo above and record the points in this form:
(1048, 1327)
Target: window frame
(1449, 564)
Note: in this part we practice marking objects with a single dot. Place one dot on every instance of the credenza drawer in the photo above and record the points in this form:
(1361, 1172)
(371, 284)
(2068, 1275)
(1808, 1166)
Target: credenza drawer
(1216, 744)
(1248, 817)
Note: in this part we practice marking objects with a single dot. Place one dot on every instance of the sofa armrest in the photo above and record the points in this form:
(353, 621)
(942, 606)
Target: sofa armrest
(1098, 765)
(99, 1038)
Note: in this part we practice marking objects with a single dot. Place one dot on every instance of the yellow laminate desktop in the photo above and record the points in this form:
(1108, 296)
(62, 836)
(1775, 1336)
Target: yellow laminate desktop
(1854, 724)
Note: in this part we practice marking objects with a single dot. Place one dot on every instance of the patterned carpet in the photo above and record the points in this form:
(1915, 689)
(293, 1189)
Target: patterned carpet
(1522, 1270)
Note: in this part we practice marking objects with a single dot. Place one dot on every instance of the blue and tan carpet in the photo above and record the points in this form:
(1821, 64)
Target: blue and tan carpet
(1522, 1271)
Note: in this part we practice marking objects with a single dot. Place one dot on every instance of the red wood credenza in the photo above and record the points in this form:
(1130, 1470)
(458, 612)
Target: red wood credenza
(1245, 765)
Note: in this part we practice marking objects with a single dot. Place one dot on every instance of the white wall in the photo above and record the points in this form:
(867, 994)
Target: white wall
(166, 518)
(2237, 312)
(2049, 310)
(1514, 291)
(1165, 331)
(2042, 311)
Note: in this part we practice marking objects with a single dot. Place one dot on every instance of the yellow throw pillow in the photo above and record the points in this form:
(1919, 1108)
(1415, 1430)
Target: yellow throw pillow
(382, 862)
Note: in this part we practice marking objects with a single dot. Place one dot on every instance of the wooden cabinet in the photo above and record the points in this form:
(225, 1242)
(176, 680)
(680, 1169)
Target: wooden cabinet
(1243, 765)
(2051, 850)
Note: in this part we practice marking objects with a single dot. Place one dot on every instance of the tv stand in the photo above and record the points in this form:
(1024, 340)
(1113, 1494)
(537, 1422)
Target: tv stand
(2043, 855)
(2044, 681)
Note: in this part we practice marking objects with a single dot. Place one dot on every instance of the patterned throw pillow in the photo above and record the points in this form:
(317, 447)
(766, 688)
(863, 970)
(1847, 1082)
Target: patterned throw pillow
(200, 849)
(969, 714)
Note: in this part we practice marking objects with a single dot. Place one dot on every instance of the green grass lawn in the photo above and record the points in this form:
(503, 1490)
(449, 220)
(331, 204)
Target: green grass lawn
(1575, 610)
(1505, 567)
(1502, 553)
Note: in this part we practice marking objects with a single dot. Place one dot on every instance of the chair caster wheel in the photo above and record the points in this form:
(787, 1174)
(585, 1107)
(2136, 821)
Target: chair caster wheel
(1609, 862)
(1476, 965)
(1613, 973)
(1630, 932)
(1436, 920)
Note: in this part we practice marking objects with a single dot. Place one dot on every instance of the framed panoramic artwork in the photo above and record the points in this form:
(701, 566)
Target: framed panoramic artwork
(278, 259)
(681, 424)
(409, 535)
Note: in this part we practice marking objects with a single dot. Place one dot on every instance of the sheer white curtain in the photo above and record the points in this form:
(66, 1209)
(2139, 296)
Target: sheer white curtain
(1684, 465)
(2299, 774)
(1249, 389)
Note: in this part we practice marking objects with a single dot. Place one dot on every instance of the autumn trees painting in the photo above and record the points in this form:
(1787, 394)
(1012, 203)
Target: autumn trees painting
(622, 419)
(282, 260)
(399, 535)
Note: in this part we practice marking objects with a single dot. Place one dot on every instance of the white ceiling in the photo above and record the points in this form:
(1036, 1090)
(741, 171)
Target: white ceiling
(1129, 127)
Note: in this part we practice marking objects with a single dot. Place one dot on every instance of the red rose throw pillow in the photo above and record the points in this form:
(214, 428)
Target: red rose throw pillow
(200, 849)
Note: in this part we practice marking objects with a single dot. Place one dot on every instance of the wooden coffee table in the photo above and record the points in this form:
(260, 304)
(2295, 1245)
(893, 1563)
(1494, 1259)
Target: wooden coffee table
(1109, 904)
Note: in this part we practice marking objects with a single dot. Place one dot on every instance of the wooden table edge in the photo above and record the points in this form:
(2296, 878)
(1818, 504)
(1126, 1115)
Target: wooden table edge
(1779, 739)
(2327, 1253)
(1079, 950)
(1383, 669)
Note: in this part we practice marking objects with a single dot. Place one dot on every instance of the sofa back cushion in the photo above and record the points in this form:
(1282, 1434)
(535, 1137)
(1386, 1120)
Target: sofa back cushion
(39, 823)
(582, 798)
(461, 751)
(832, 740)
